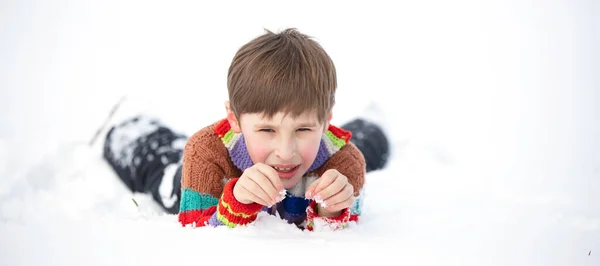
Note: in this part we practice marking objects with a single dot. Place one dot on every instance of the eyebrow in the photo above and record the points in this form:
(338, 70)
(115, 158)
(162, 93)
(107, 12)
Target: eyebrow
(304, 124)
(308, 124)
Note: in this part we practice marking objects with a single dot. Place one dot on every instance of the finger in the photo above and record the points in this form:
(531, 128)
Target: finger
(270, 184)
(310, 191)
(341, 205)
(325, 181)
(273, 177)
(246, 191)
(255, 198)
(339, 197)
(333, 188)
(254, 187)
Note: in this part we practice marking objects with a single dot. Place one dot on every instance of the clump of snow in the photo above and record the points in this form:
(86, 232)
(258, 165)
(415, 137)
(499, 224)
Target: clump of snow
(320, 201)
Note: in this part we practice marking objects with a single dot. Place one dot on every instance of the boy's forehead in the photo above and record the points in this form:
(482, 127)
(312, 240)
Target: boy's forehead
(280, 118)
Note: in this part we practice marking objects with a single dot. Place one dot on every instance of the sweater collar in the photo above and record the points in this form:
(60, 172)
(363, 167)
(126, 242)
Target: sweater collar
(331, 142)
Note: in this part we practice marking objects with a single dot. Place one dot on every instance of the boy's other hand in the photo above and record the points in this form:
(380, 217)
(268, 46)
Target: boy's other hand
(333, 193)
(259, 184)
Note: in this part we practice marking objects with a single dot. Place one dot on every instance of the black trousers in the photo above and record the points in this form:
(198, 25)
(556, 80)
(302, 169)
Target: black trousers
(146, 155)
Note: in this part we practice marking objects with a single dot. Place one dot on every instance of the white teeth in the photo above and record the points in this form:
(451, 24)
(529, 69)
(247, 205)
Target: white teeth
(283, 169)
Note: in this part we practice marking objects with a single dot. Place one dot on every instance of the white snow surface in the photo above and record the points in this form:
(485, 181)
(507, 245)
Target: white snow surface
(492, 109)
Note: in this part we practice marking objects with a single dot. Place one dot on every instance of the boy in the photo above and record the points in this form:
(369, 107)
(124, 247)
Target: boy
(275, 151)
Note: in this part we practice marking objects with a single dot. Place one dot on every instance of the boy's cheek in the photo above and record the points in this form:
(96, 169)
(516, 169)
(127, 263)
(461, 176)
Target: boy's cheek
(310, 149)
(309, 154)
(258, 154)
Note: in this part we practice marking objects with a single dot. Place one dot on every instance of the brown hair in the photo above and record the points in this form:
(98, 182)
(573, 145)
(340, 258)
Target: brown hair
(285, 72)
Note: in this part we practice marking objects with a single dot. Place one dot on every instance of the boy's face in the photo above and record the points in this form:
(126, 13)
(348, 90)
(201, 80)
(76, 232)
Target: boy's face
(287, 144)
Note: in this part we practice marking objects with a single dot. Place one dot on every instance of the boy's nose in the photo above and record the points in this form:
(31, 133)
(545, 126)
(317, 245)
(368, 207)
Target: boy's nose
(286, 149)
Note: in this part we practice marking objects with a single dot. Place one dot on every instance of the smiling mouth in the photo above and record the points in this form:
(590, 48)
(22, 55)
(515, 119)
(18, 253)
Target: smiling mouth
(286, 171)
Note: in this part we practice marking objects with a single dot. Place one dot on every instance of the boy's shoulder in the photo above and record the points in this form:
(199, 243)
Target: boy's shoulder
(206, 139)
(209, 130)
(207, 147)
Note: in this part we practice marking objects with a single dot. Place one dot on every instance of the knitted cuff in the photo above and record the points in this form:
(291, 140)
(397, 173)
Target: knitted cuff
(197, 218)
(231, 212)
(318, 223)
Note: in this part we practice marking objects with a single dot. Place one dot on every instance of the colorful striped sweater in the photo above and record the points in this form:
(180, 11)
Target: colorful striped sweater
(215, 157)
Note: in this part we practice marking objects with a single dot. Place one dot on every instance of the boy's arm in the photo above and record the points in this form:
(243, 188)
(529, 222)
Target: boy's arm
(207, 193)
(350, 162)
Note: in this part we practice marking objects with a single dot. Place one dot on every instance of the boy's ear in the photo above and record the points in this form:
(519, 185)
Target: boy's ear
(328, 122)
(233, 121)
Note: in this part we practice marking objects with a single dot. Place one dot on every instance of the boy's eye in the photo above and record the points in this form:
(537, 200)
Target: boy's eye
(269, 130)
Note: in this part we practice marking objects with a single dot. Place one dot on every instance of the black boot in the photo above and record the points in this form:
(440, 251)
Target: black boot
(146, 155)
(371, 141)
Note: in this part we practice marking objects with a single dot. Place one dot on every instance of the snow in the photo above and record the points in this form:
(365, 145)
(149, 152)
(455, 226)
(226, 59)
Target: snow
(126, 138)
(492, 108)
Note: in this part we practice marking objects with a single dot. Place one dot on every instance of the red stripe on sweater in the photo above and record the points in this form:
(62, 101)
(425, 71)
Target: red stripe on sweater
(233, 218)
(222, 128)
(200, 217)
(340, 133)
(234, 204)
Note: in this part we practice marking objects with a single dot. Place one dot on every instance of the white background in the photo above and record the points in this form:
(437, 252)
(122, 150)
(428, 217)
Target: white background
(492, 108)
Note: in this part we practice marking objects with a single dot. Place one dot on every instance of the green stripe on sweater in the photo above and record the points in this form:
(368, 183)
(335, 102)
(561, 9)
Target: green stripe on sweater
(192, 200)
(339, 143)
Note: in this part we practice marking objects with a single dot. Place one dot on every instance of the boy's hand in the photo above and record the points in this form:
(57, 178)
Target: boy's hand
(333, 192)
(260, 184)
